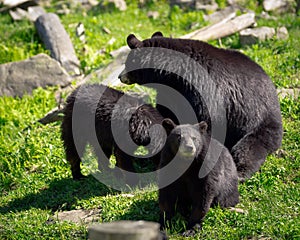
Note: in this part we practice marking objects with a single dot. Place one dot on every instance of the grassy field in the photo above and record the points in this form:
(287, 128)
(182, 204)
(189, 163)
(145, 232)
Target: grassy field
(35, 179)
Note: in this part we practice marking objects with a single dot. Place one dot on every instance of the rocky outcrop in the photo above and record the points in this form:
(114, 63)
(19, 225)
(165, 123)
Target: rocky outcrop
(18, 78)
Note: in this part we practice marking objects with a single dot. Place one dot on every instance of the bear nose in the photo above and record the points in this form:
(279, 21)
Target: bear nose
(123, 74)
(190, 148)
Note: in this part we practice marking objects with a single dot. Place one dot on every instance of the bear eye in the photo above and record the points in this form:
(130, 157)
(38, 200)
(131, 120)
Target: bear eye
(194, 138)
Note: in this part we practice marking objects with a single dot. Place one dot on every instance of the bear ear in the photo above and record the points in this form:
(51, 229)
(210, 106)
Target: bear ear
(202, 126)
(157, 34)
(132, 41)
(168, 125)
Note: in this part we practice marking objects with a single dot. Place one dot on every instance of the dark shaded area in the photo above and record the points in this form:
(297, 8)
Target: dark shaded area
(60, 195)
(147, 210)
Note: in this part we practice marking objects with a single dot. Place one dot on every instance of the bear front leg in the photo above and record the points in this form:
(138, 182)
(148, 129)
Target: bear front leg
(167, 205)
(199, 210)
(73, 157)
(125, 163)
(75, 168)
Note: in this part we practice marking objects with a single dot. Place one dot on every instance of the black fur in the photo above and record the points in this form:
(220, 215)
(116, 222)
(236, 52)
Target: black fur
(254, 124)
(190, 195)
(104, 101)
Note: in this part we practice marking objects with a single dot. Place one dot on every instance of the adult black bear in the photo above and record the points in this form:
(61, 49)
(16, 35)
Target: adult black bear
(110, 114)
(225, 88)
(189, 194)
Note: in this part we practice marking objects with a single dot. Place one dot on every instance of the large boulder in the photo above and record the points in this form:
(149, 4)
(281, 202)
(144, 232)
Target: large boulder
(58, 42)
(18, 78)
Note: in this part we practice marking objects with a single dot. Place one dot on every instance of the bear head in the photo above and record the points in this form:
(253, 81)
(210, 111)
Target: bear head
(186, 140)
(141, 56)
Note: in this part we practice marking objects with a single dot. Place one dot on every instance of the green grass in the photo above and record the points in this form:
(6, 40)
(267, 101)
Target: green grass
(35, 179)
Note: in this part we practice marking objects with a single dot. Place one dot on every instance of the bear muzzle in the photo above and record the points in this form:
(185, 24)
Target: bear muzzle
(123, 76)
(187, 150)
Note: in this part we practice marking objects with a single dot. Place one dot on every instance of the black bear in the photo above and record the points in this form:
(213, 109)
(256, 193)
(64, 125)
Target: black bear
(110, 114)
(225, 88)
(190, 195)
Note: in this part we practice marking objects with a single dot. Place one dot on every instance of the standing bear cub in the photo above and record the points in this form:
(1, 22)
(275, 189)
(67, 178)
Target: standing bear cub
(190, 195)
(225, 88)
(103, 117)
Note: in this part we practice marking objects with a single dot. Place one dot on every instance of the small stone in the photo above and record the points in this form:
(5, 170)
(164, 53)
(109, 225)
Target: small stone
(119, 4)
(80, 32)
(183, 3)
(288, 92)
(153, 14)
(278, 6)
(237, 210)
(253, 35)
(34, 12)
(124, 50)
(228, 12)
(111, 41)
(208, 5)
(106, 30)
(282, 33)
(79, 216)
(18, 14)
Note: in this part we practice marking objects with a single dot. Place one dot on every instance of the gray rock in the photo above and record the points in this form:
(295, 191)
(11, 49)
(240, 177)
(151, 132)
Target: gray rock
(18, 14)
(18, 78)
(208, 5)
(32, 13)
(79, 216)
(108, 75)
(122, 51)
(183, 3)
(253, 35)
(278, 6)
(153, 14)
(267, 16)
(282, 33)
(87, 4)
(80, 32)
(57, 40)
(14, 2)
(289, 92)
(119, 4)
(125, 230)
(228, 12)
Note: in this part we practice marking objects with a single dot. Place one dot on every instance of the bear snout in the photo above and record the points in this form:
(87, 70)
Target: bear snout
(123, 76)
(187, 150)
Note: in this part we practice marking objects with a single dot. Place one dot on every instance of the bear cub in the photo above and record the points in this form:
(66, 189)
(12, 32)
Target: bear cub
(190, 195)
(92, 115)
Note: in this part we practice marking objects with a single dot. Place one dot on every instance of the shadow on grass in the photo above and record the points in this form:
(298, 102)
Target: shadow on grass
(147, 210)
(61, 194)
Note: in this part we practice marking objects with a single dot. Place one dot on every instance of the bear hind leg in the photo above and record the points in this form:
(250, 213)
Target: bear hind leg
(251, 151)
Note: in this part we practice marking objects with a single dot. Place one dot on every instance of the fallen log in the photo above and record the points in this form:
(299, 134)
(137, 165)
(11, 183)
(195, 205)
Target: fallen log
(24, 4)
(223, 28)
